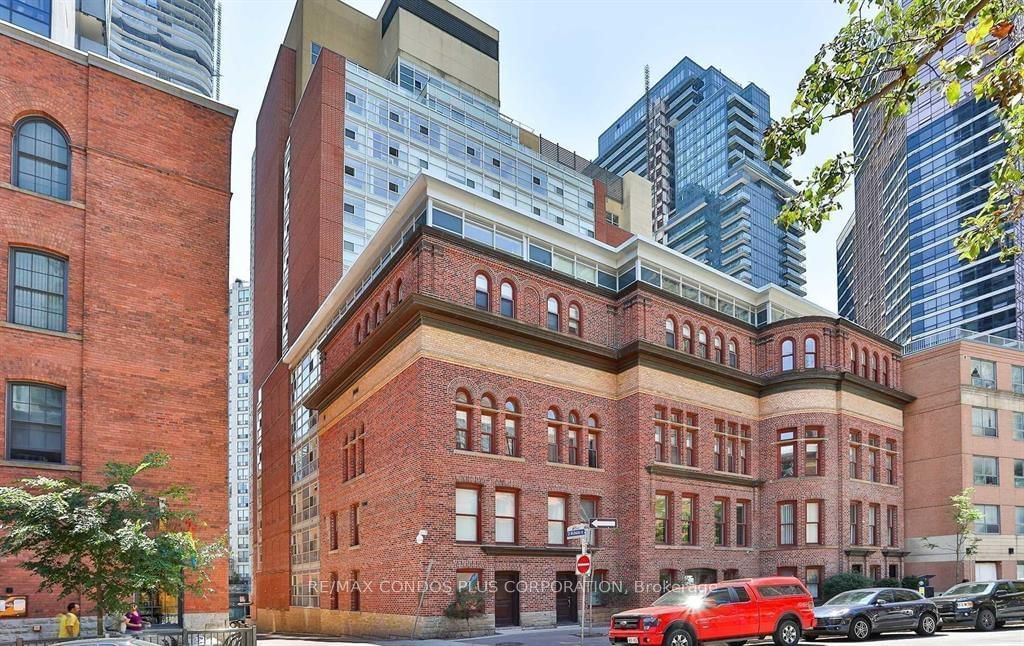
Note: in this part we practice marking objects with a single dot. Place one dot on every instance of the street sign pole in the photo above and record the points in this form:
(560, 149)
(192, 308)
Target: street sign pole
(583, 602)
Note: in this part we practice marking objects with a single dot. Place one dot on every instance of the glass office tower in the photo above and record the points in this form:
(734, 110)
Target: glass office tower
(921, 177)
(716, 199)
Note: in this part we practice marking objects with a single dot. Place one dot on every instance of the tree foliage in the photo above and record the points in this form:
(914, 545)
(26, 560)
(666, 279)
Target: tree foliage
(844, 582)
(964, 515)
(885, 58)
(105, 542)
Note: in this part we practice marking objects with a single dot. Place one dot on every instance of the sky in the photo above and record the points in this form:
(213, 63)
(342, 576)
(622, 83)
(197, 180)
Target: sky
(570, 67)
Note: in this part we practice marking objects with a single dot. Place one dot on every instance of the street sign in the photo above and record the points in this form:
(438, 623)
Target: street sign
(583, 564)
(604, 523)
(576, 531)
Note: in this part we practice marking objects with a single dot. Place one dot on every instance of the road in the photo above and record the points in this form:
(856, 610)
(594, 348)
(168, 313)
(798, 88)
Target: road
(1010, 636)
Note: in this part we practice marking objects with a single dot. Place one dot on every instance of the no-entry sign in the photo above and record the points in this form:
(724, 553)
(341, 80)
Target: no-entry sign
(583, 564)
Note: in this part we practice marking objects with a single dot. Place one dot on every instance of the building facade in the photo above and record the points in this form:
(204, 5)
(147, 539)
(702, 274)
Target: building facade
(239, 447)
(920, 178)
(174, 40)
(715, 198)
(113, 257)
(965, 430)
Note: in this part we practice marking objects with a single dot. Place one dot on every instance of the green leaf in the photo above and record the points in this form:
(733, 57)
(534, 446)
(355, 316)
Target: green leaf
(953, 92)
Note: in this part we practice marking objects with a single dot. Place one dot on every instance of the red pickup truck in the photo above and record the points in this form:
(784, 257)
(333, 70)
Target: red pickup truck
(730, 611)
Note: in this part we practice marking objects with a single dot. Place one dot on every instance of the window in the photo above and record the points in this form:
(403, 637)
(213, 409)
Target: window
(599, 586)
(486, 426)
(687, 338)
(854, 523)
(812, 522)
(574, 446)
(892, 518)
(787, 523)
(462, 412)
(984, 422)
(787, 354)
(853, 454)
(810, 352)
(812, 579)
(354, 518)
(734, 361)
(511, 429)
(670, 333)
(1020, 528)
(1018, 379)
(983, 373)
(505, 513)
(574, 319)
(687, 520)
(556, 520)
(354, 596)
(661, 512)
(787, 454)
(468, 580)
(890, 462)
(553, 323)
(720, 509)
(38, 288)
(742, 523)
(1018, 473)
(659, 443)
(718, 349)
(989, 521)
(42, 159)
(885, 372)
(876, 574)
(553, 444)
(508, 304)
(702, 344)
(864, 362)
(592, 450)
(482, 299)
(873, 465)
(872, 524)
(1018, 426)
(35, 415)
(467, 514)
(874, 367)
(986, 470)
(812, 459)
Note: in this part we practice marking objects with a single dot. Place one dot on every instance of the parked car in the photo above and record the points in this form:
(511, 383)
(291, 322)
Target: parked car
(859, 614)
(982, 604)
(730, 611)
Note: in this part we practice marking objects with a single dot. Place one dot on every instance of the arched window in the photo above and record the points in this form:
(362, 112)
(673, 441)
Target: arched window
(511, 428)
(508, 302)
(718, 349)
(376, 314)
(553, 322)
(487, 402)
(787, 354)
(574, 319)
(574, 417)
(483, 293)
(366, 323)
(874, 367)
(734, 359)
(885, 371)
(398, 291)
(670, 332)
(41, 159)
(810, 352)
(853, 358)
(687, 338)
(552, 413)
(387, 303)
(462, 415)
(592, 421)
(359, 333)
(702, 344)
(511, 406)
(864, 362)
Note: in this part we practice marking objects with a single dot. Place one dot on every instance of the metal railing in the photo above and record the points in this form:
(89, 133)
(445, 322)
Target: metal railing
(163, 637)
(959, 334)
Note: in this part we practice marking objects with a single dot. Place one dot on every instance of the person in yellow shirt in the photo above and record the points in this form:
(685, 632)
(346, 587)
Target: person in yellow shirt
(68, 624)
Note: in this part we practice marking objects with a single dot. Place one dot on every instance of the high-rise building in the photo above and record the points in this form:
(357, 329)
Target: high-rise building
(474, 337)
(174, 40)
(965, 429)
(920, 178)
(113, 262)
(239, 449)
(715, 198)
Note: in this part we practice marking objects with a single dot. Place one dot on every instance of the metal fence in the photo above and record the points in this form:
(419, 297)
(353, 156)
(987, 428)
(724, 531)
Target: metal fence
(161, 637)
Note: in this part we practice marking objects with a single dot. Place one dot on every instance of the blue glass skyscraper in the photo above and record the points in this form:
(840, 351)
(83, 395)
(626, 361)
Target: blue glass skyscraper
(716, 199)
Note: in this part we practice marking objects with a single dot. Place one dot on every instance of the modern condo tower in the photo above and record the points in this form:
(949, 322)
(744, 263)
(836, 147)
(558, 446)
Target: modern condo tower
(715, 198)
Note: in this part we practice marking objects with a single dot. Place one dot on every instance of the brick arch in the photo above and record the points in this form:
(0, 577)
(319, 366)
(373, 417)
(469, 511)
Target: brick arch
(35, 113)
(455, 385)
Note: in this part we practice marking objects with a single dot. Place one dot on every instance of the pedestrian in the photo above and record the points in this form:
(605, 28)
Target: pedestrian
(133, 620)
(68, 624)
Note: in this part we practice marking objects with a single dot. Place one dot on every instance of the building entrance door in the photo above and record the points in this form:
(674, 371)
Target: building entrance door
(506, 599)
(566, 598)
(985, 572)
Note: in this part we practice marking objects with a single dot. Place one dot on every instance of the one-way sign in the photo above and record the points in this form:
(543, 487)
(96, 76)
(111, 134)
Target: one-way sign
(604, 523)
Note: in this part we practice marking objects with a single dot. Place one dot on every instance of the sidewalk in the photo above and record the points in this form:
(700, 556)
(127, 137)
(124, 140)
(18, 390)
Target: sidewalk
(561, 636)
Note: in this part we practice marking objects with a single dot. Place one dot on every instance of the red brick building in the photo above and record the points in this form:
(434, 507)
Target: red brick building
(114, 191)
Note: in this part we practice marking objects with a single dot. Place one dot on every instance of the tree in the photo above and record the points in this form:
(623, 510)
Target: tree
(964, 514)
(105, 542)
(885, 57)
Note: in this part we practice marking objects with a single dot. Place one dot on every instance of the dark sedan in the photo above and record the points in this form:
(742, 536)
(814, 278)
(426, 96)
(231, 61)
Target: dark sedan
(859, 614)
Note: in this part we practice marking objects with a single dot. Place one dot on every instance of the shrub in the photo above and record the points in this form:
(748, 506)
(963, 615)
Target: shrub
(909, 582)
(889, 583)
(842, 582)
(467, 603)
